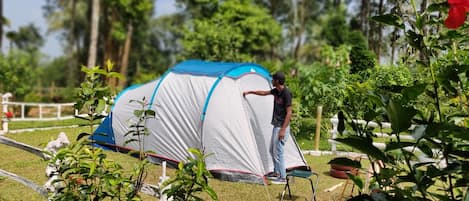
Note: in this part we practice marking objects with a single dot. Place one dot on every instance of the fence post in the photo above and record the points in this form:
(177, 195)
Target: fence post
(318, 128)
(5, 98)
(40, 111)
(335, 123)
(59, 111)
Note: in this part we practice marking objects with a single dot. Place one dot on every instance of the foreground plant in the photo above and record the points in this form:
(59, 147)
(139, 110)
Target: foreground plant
(191, 178)
(84, 172)
(441, 120)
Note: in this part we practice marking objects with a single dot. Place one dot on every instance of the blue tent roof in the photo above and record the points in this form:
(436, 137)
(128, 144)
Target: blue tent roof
(216, 69)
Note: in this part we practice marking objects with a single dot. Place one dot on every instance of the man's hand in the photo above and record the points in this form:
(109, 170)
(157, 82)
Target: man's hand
(281, 134)
(245, 93)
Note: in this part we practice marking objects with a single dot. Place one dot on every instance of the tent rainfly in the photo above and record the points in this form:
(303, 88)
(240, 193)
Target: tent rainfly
(199, 104)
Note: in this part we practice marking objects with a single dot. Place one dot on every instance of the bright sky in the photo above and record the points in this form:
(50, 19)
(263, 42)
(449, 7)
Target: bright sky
(23, 12)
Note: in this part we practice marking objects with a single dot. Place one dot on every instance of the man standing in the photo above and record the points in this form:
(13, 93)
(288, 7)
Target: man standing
(280, 120)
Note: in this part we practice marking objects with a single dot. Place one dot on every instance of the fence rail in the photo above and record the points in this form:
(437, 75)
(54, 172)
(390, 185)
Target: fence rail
(45, 111)
(437, 157)
(387, 125)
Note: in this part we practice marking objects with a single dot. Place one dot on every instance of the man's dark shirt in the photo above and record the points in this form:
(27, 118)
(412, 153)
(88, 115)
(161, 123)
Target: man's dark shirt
(282, 99)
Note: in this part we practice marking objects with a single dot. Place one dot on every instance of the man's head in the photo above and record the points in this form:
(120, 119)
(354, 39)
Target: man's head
(279, 76)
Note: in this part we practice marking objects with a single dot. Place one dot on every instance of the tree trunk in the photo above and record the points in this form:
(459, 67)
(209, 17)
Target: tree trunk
(393, 45)
(125, 56)
(1, 25)
(92, 54)
(73, 67)
(364, 13)
(299, 33)
(380, 33)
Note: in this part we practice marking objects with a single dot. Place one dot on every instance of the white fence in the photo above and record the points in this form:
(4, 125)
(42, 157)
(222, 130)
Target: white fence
(42, 111)
(386, 125)
(23, 111)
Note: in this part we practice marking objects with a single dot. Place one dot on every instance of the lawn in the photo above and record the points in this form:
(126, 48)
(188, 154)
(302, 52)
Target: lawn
(32, 168)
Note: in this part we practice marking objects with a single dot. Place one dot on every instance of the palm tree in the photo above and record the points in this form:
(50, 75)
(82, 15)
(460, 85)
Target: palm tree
(1, 24)
(94, 34)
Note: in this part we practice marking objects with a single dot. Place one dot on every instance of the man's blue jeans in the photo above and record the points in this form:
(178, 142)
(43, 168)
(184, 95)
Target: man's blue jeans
(277, 151)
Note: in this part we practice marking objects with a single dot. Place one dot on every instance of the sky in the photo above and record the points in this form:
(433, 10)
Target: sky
(23, 12)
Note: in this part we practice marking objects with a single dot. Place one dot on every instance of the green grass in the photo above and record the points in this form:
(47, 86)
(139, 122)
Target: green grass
(14, 125)
(32, 168)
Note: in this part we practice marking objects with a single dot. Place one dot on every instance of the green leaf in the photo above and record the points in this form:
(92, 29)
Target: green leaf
(87, 118)
(397, 145)
(133, 153)
(411, 93)
(138, 113)
(419, 132)
(461, 153)
(150, 113)
(399, 116)
(415, 40)
(466, 195)
(101, 106)
(434, 7)
(365, 146)
(92, 168)
(109, 65)
(389, 19)
(81, 135)
(425, 149)
(129, 141)
(211, 193)
(356, 180)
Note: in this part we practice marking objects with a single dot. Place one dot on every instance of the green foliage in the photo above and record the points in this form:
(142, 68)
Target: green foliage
(361, 59)
(387, 76)
(324, 82)
(441, 129)
(84, 172)
(191, 177)
(17, 74)
(237, 31)
(335, 30)
(135, 12)
(94, 95)
(138, 129)
(87, 174)
(27, 38)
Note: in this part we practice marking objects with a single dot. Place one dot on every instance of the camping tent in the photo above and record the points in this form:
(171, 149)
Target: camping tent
(200, 104)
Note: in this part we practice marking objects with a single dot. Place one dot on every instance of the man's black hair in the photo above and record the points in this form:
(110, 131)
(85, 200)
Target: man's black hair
(279, 76)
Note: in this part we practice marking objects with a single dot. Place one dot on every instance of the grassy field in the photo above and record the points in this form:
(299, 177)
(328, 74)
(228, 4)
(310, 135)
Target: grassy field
(15, 125)
(32, 168)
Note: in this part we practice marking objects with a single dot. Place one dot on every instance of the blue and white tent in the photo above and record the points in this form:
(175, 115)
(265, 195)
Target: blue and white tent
(200, 105)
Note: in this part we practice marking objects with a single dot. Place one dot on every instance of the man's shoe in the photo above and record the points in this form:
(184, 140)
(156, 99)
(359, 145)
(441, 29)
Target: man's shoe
(272, 176)
(279, 181)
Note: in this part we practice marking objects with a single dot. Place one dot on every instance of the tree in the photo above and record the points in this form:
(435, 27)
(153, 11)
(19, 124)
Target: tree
(92, 52)
(155, 49)
(335, 30)
(129, 15)
(1, 24)
(17, 74)
(195, 9)
(238, 31)
(28, 39)
(70, 19)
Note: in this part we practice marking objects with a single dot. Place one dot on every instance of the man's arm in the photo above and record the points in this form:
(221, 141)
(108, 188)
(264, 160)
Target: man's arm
(259, 93)
(281, 133)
